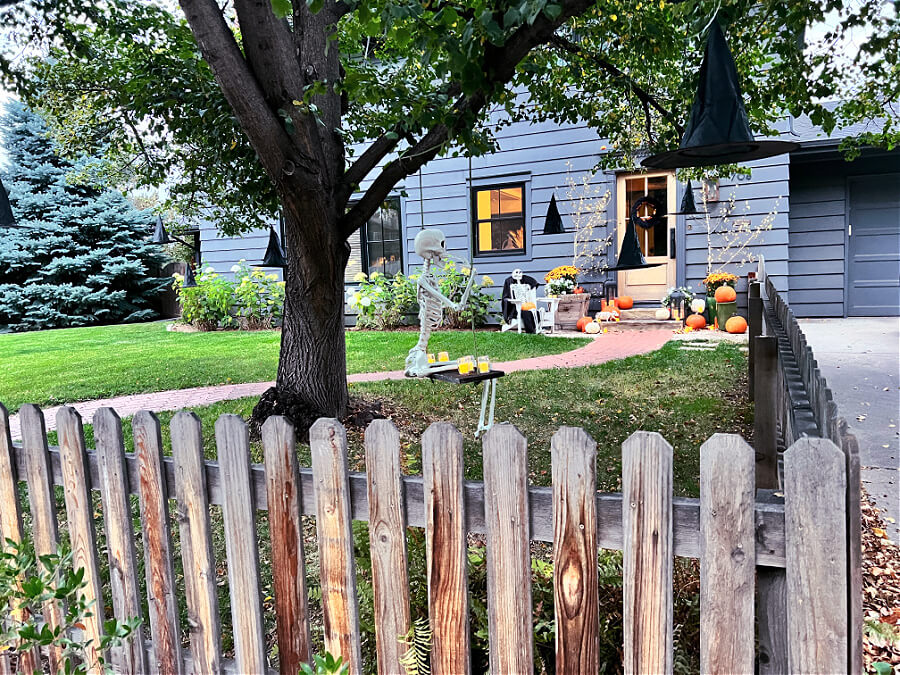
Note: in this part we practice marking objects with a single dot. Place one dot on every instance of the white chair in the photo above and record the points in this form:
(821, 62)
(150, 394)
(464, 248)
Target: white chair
(548, 315)
(521, 294)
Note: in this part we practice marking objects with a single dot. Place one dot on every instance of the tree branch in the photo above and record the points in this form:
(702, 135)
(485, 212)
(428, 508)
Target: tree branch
(499, 65)
(248, 101)
(645, 97)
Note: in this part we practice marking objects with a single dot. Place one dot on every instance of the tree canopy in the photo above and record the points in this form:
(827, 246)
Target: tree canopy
(151, 108)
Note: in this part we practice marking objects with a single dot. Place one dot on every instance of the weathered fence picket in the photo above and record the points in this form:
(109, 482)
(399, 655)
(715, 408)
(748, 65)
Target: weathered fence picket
(387, 543)
(41, 500)
(334, 525)
(80, 518)
(158, 555)
(196, 544)
(445, 542)
(727, 529)
(283, 489)
(648, 553)
(123, 570)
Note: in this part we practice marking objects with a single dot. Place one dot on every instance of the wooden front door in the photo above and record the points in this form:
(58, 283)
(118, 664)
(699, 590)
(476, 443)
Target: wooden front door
(657, 243)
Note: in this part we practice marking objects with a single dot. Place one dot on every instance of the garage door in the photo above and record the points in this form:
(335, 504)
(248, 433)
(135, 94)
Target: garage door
(873, 256)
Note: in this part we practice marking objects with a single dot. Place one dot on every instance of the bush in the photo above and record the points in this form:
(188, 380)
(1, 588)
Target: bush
(452, 283)
(209, 305)
(259, 297)
(26, 583)
(382, 301)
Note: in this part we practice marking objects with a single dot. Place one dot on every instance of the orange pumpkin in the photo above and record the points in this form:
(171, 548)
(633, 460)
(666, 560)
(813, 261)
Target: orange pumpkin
(528, 305)
(725, 294)
(696, 321)
(625, 302)
(582, 322)
(736, 324)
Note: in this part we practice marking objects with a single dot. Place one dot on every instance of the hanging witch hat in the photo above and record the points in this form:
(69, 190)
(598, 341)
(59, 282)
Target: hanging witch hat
(553, 223)
(630, 255)
(274, 252)
(688, 207)
(718, 131)
(7, 219)
(160, 236)
(189, 280)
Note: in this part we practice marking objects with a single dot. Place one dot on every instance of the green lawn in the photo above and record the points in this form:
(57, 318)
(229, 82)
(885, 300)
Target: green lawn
(81, 364)
(685, 395)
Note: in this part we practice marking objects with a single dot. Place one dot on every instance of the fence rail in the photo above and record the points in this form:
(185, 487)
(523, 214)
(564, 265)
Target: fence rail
(731, 534)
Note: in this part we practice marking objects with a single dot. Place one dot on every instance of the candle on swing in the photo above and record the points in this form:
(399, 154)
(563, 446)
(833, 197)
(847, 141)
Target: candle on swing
(484, 364)
(443, 356)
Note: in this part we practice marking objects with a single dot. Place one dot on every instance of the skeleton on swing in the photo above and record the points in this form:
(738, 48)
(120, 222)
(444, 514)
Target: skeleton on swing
(431, 245)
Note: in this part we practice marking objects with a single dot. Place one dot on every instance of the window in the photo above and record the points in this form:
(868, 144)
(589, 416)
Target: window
(499, 219)
(382, 240)
(653, 241)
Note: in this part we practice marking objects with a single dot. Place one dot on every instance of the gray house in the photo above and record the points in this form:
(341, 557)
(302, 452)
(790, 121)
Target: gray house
(829, 229)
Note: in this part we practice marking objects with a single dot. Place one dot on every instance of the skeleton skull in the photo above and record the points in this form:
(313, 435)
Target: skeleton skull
(430, 244)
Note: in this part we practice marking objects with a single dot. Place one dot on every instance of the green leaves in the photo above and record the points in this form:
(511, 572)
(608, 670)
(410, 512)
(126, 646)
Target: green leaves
(282, 8)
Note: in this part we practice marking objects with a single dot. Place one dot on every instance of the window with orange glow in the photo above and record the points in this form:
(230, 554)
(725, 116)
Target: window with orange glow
(499, 219)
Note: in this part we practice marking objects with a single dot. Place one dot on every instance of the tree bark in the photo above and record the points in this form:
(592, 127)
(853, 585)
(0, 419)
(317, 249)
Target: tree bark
(312, 364)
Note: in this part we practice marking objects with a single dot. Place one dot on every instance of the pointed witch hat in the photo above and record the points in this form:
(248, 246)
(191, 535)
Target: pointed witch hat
(718, 131)
(688, 206)
(630, 255)
(274, 252)
(7, 219)
(190, 281)
(160, 236)
(553, 223)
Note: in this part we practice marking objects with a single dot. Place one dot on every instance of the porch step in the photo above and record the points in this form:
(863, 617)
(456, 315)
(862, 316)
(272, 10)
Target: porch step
(639, 313)
(627, 324)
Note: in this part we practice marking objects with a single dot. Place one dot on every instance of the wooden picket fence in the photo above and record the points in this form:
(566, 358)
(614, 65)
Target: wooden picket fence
(731, 533)
(793, 401)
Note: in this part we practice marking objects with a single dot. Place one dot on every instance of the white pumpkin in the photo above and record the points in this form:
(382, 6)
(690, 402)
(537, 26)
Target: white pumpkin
(592, 328)
(662, 314)
(698, 305)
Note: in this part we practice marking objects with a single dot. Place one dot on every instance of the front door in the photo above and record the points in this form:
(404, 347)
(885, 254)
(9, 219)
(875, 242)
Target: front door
(657, 243)
(873, 238)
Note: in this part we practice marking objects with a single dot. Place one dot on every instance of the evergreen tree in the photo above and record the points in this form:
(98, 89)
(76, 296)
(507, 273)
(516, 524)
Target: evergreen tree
(75, 256)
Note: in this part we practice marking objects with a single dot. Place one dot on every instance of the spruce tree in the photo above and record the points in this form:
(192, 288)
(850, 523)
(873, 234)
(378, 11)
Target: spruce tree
(76, 256)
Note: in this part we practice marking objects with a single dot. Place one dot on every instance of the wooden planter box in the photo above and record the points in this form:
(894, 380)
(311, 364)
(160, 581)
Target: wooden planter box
(572, 306)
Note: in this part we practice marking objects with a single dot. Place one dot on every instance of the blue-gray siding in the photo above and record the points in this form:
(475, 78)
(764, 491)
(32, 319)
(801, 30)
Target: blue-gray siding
(818, 229)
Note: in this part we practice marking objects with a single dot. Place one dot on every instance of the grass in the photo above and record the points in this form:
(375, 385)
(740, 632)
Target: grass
(684, 395)
(82, 364)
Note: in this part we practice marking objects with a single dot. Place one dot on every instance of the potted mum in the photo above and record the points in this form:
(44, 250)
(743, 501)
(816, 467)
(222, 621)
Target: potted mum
(714, 296)
(573, 301)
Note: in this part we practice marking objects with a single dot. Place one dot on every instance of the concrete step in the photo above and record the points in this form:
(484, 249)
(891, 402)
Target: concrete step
(639, 313)
(639, 324)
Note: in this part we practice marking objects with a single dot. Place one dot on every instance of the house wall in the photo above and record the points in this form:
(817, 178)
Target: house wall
(817, 232)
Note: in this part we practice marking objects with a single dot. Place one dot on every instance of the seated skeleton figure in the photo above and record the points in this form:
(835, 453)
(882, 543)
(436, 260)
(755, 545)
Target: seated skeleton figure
(431, 245)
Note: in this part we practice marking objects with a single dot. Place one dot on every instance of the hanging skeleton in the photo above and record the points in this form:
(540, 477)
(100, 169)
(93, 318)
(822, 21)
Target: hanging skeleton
(431, 245)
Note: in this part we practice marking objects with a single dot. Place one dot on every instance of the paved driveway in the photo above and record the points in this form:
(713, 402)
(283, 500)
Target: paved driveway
(860, 358)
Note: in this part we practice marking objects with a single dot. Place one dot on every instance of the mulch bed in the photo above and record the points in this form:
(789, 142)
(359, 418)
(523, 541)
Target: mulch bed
(881, 592)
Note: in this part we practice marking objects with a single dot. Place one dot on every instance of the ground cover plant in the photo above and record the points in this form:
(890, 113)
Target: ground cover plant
(62, 366)
(656, 392)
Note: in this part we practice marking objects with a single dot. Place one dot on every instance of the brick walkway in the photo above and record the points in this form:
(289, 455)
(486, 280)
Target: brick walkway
(604, 348)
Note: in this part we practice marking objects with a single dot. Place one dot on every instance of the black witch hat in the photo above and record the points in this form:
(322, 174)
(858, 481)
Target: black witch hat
(630, 255)
(160, 236)
(274, 252)
(7, 219)
(688, 206)
(553, 223)
(718, 131)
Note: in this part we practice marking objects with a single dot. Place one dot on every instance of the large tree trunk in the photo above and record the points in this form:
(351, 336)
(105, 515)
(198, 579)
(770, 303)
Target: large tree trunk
(312, 368)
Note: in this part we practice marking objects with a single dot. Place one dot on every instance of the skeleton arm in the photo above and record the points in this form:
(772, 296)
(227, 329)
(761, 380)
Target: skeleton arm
(432, 290)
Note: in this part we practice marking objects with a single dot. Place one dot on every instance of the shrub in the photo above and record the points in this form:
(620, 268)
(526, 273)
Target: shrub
(382, 301)
(26, 583)
(452, 283)
(209, 305)
(259, 297)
